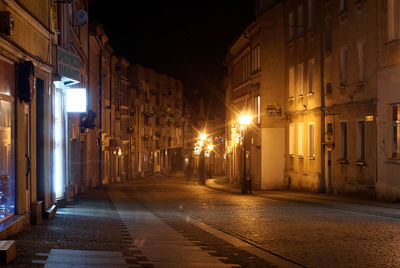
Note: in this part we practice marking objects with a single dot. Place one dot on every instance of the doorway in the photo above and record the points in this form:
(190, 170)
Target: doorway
(58, 160)
(329, 171)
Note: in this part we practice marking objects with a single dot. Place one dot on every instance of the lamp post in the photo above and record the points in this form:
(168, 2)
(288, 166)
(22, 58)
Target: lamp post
(202, 180)
(210, 147)
(244, 121)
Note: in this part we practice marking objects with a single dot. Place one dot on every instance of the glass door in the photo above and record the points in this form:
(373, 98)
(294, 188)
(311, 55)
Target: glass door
(58, 164)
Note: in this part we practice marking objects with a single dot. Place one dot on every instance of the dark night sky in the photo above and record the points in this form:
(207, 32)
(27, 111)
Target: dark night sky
(187, 40)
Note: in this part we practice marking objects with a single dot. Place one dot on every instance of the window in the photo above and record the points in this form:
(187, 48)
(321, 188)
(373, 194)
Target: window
(257, 111)
(7, 166)
(291, 139)
(311, 64)
(300, 74)
(310, 14)
(342, 6)
(291, 82)
(291, 25)
(328, 36)
(360, 54)
(311, 142)
(343, 66)
(360, 141)
(300, 140)
(343, 140)
(396, 131)
(255, 59)
(329, 128)
(329, 88)
(393, 19)
(300, 20)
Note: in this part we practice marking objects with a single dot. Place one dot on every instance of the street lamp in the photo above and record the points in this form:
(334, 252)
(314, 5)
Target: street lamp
(244, 121)
(210, 148)
(202, 180)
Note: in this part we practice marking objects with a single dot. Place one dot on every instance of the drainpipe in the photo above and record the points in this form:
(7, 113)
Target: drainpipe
(100, 113)
(322, 182)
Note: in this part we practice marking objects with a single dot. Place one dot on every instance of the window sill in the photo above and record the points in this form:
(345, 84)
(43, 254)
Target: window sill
(300, 156)
(311, 158)
(360, 163)
(360, 85)
(291, 98)
(343, 161)
(311, 93)
(393, 160)
(291, 155)
(300, 96)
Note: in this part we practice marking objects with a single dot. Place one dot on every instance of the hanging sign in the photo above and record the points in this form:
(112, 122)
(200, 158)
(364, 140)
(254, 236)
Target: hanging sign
(68, 64)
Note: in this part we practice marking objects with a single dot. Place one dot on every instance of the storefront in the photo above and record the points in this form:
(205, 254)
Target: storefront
(7, 142)
(68, 102)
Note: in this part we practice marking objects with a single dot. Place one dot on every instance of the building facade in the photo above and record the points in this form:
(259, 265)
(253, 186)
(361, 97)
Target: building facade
(388, 115)
(334, 97)
(255, 85)
(159, 126)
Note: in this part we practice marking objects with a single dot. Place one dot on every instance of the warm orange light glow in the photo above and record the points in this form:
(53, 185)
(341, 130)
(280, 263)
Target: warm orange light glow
(203, 137)
(210, 147)
(245, 119)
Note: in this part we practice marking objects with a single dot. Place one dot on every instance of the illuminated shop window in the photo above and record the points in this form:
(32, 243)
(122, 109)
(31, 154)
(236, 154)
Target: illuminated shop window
(6, 161)
(7, 177)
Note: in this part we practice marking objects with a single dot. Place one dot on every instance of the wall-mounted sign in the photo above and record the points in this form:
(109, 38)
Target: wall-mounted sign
(75, 100)
(369, 118)
(273, 110)
(68, 64)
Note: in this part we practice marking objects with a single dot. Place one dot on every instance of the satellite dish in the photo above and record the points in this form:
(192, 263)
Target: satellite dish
(81, 17)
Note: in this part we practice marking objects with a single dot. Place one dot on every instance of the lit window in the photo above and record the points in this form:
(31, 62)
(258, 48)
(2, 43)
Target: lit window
(291, 139)
(396, 131)
(257, 111)
(311, 140)
(300, 139)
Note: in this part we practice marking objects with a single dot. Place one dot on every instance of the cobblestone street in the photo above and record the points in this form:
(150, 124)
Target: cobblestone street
(165, 213)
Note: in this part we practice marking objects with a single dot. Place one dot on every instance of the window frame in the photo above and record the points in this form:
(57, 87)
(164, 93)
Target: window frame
(311, 141)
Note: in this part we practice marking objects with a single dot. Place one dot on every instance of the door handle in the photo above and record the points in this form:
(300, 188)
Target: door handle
(29, 165)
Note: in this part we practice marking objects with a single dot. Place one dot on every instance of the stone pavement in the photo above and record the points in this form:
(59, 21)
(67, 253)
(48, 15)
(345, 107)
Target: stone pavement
(86, 227)
(369, 205)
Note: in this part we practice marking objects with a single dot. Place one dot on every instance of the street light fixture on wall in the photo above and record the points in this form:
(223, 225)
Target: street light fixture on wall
(202, 148)
(244, 121)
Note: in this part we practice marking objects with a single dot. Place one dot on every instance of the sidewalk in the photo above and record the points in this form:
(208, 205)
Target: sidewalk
(383, 208)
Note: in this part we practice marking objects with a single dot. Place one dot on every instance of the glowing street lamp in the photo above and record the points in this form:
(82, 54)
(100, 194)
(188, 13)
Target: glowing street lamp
(244, 121)
(203, 137)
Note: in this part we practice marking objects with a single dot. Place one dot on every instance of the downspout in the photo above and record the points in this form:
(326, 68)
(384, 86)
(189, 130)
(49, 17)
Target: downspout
(322, 187)
(100, 114)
